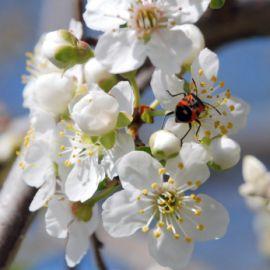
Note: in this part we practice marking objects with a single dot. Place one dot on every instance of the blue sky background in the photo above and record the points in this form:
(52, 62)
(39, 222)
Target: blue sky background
(245, 67)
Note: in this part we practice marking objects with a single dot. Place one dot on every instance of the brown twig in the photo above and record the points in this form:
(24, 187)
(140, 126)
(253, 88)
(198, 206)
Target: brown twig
(97, 246)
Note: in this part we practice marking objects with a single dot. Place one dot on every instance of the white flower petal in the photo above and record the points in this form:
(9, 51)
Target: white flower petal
(120, 214)
(123, 93)
(208, 62)
(58, 217)
(214, 218)
(83, 180)
(124, 144)
(104, 15)
(192, 9)
(167, 50)
(76, 28)
(77, 244)
(253, 169)
(161, 83)
(190, 165)
(45, 192)
(120, 51)
(138, 170)
(170, 252)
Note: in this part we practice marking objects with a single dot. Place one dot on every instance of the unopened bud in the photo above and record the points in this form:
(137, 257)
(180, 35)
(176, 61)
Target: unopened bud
(64, 50)
(164, 144)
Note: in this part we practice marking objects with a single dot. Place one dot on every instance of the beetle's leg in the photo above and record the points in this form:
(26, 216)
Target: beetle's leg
(182, 139)
(165, 117)
(199, 127)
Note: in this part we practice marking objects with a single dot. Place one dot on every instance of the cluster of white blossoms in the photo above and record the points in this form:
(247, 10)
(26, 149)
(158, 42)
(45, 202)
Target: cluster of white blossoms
(256, 192)
(83, 147)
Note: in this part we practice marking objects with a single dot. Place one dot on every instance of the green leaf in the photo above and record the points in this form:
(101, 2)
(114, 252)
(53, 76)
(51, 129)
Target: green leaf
(108, 140)
(217, 4)
(123, 120)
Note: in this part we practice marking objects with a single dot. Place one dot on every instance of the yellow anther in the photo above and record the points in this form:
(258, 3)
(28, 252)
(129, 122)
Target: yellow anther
(22, 165)
(180, 220)
(176, 235)
(228, 94)
(198, 183)
(139, 198)
(232, 108)
(141, 211)
(67, 163)
(157, 233)
(18, 153)
(145, 192)
(188, 239)
(200, 72)
(207, 133)
(223, 130)
(200, 227)
(170, 227)
(214, 79)
(62, 148)
(154, 186)
(161, 224)
(79, 161)
(230, 125)
(222, 84)
(162, 171)
(204, 91)
(224, 113)
(180, 165)
(145, 229)
(217, 124)
(74, 155)
(190, 183)
(171, 181)
(61, 133)
(197, 212)
(203, 84)
(90, 153)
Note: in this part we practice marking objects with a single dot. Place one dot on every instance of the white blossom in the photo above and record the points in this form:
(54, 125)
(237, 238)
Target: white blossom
(154, 199)
(224, 152)
(51, 93)
(219, 112)
(256, 189)
(135, 30)
(95, 72)
(62, 222)
(164, 144)
(97, 112)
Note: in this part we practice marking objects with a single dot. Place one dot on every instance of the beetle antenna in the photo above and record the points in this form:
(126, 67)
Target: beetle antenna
(175, 95)
(213, 107)
(196, 88)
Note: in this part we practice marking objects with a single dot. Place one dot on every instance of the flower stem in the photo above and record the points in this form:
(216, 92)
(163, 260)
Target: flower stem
(131, 76)
(154, 104)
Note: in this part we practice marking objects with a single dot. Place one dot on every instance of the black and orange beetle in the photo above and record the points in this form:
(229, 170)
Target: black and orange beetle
(189, 109)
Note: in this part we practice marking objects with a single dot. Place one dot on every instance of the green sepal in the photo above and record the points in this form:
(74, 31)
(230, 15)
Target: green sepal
(65, 57)
(206, 141)
(129, 75)
(144, 149)
(214, 166)
(109, 83)
(108, 140)
(69, 37)
(123, 120)
(147, 117)
(217, 4)
(82, 211)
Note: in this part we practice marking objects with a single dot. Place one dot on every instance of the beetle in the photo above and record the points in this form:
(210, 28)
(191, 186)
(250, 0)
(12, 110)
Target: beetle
(189, 109)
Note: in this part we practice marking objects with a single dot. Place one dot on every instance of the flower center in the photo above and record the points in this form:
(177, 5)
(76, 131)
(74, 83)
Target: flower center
(168, 203)
(145, 19)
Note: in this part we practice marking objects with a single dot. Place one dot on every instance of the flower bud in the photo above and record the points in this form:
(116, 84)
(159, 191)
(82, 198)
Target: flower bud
(52, 92)
(95, 72)
(164, 144)
(64, 50)
(96, 113)
(225, 152)
(198, 43)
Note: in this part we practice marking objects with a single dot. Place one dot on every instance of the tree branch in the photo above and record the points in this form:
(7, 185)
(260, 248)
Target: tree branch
(97, 246)
(15, 198)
